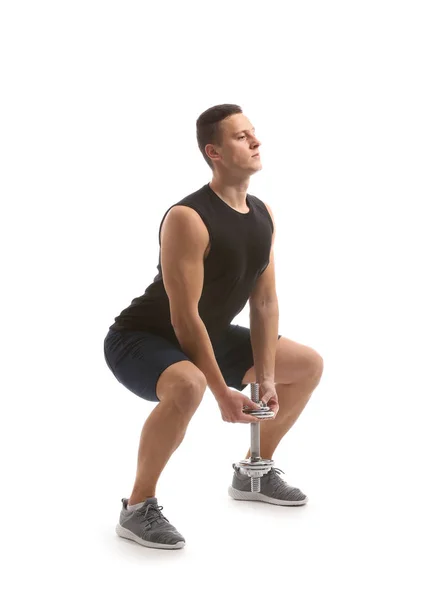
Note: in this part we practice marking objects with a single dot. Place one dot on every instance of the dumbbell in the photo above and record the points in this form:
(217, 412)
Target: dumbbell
(255, 466)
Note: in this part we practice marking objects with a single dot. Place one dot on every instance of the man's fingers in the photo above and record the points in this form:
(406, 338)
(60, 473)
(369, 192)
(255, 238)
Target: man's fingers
(246, 418)
(250, 419)
(251, 405)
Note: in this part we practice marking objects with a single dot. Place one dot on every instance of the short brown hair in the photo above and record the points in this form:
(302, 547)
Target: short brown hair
(208, 128)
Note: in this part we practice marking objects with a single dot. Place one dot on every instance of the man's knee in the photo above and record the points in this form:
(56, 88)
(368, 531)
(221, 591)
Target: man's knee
(183, 385)
(316, 364)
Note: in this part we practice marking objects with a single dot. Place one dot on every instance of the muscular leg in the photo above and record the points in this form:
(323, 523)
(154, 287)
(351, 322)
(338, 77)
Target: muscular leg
(180, 389)
(298, 370)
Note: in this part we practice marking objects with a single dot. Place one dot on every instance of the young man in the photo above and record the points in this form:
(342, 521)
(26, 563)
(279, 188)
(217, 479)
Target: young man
(216, 253)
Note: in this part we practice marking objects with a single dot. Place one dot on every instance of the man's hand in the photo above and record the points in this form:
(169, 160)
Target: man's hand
(231, 405)
(268, 395)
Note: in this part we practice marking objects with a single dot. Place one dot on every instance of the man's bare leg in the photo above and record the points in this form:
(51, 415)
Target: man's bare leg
(180, 390)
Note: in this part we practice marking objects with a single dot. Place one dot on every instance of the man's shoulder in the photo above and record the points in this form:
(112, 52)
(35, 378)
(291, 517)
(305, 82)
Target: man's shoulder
(260, 202)
(266, 208)
(199, 194)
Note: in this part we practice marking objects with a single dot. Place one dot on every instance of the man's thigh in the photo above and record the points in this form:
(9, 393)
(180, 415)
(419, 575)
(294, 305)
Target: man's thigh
(138, 359)
(293, 362)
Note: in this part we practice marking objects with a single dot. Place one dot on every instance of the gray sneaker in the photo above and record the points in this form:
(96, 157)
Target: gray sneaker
(273, 489)
(147, 526)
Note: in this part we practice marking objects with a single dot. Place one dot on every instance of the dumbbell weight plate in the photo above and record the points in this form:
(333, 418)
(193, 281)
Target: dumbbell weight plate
(262, 412)
(261, 415)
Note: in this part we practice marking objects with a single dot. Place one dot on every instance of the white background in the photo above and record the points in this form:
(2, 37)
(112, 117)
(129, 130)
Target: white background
(98, 108)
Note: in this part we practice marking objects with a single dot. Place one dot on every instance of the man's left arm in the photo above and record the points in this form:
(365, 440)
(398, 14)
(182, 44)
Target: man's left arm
(264, 315)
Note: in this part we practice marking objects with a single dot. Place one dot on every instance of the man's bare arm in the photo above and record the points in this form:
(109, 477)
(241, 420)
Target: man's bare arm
(184, 239)
(264, 316)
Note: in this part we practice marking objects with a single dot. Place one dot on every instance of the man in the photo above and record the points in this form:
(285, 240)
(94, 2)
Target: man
(216, 252)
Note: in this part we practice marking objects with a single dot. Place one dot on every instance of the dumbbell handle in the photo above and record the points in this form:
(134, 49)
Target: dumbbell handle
(255, 432)
(255, 466)
(263, 412)
(255, 441)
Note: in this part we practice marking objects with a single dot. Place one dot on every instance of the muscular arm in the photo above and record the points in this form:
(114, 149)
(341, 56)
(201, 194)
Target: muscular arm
(184, 239)
(264, 316)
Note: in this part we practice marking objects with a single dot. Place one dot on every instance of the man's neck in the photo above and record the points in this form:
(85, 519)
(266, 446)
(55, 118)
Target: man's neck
(233, 193)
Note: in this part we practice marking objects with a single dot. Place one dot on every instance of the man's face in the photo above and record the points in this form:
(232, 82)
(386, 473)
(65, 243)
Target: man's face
(239, 144)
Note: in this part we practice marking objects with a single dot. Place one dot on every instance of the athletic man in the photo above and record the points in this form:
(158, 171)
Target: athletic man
(216, 253)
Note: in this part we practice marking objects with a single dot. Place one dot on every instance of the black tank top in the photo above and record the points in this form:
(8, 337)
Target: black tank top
(240, 245)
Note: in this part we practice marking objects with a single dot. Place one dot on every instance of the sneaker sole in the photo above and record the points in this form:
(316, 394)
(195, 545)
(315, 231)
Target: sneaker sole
(258, 497)
(129, 535)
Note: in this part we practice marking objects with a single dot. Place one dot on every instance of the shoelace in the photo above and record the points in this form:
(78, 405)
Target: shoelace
(152, 513)
(277, 470)
(280, 484)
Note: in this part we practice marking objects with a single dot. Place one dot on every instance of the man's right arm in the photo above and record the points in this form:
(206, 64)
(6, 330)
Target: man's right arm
(184, 239)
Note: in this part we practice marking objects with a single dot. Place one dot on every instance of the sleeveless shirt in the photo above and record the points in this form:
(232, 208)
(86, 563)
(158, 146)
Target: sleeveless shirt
(240, 245)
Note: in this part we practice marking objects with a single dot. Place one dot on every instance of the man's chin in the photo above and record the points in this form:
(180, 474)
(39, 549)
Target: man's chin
(256, 169)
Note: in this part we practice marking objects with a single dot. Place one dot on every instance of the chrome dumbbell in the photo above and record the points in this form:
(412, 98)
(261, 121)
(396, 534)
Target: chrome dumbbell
(255, 466)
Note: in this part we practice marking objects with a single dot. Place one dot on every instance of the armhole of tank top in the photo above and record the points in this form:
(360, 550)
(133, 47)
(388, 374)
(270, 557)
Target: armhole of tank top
(200, 215)
(206, 224)
(163, 219)
(267, 212)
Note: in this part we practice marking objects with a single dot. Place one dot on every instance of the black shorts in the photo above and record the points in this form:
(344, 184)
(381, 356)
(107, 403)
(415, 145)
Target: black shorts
(137, 358)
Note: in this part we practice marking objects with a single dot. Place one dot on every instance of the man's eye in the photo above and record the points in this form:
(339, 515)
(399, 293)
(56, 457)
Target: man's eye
(243, 136)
